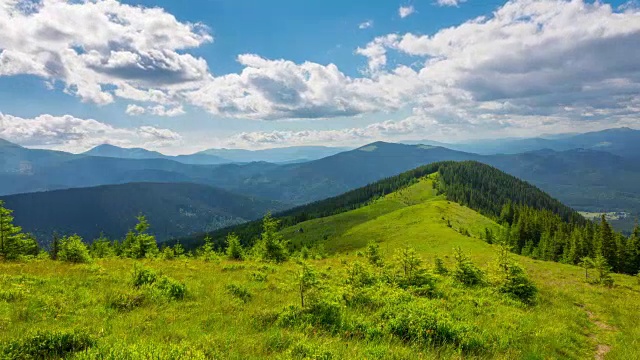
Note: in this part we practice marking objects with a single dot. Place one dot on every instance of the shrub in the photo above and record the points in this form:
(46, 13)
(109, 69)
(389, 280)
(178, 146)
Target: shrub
(373, 254)
(143, 276)
(73, 249)
(518, 285)
(423, 323)
(359, 276)
(512, 278)
(48, 345)
(323, 312)
(466, 272)
(440, 268)
(239, 292)
(171, 288)
(259, 276)
(167, 253)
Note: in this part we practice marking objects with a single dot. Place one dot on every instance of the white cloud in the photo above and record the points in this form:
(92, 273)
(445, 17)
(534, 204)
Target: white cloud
(277, 89)
(158, 110)
(135, 110)
(93, 46)
(450, 2)
(530, 58)
(405, 11)
(74, 134)
(366, 25)
(552, 60)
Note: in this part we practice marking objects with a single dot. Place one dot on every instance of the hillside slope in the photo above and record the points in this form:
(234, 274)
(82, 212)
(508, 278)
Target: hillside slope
(175, 209)
(252, 309)
(478, 185)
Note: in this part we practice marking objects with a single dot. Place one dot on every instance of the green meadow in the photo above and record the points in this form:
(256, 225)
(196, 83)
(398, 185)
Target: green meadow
(408, 276)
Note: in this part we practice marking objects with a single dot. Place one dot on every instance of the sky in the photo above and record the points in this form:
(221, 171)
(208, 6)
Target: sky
(184, 76)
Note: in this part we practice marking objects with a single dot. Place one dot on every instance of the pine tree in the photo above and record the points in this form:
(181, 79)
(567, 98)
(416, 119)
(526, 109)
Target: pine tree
(13, 243)
(607, 242)
(139, 244)
(633, 251)
(271, 246)
(234, 248)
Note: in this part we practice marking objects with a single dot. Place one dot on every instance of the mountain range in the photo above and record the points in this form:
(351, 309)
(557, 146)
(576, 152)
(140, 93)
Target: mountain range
(221, 156)
(585, 178)
(173, 209)
(624, 142)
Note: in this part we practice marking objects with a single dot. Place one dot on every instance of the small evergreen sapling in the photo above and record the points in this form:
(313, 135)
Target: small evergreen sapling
(74, 250)
(307, 280)
(234, 248)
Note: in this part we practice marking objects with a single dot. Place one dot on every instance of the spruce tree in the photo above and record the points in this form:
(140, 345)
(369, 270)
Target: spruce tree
(13, 243)
(271, 246)
(234, 248)
(607, 243)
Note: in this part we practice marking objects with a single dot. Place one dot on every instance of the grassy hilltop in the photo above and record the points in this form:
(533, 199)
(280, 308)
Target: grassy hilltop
(367, 293)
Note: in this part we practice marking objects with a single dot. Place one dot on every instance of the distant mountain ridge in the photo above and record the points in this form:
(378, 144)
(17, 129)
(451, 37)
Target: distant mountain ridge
(173, 209)
(587, 179)
(222, 156)
(622, 141)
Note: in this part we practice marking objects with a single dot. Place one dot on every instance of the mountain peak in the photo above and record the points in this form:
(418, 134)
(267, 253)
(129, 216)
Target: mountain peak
(6, 143)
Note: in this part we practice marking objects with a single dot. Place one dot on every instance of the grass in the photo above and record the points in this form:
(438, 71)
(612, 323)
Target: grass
(236, 310)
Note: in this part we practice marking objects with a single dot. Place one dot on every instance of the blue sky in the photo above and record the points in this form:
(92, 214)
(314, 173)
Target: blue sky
(252, 73)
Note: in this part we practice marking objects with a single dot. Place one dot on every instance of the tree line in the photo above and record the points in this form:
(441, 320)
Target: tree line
(544, 235)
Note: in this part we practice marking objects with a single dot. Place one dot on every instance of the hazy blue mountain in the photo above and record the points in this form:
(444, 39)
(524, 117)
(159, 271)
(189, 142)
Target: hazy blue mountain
(174, 209)
(107, 150)
(587, 179)
(276, 155)
(623, 142)
(15, 159)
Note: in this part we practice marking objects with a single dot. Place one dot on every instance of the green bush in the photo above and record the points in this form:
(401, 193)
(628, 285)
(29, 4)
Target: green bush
(73, 249)
(323, 312)
(171, 288)
(143, 276)
(440, 267)
(373, 254)
(48, 345)
(259, 276)
(518, 285)
(424, 323)
(466, 272)
(240, 292)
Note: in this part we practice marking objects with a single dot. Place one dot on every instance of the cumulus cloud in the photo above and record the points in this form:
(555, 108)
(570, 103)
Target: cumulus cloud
(450, 2)
(74, 134)
(529, 58)
(405, 11)
(95, 46)
(546, 59)
(365, 25)
(135, 110)
(276, 89)
(158, 110)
